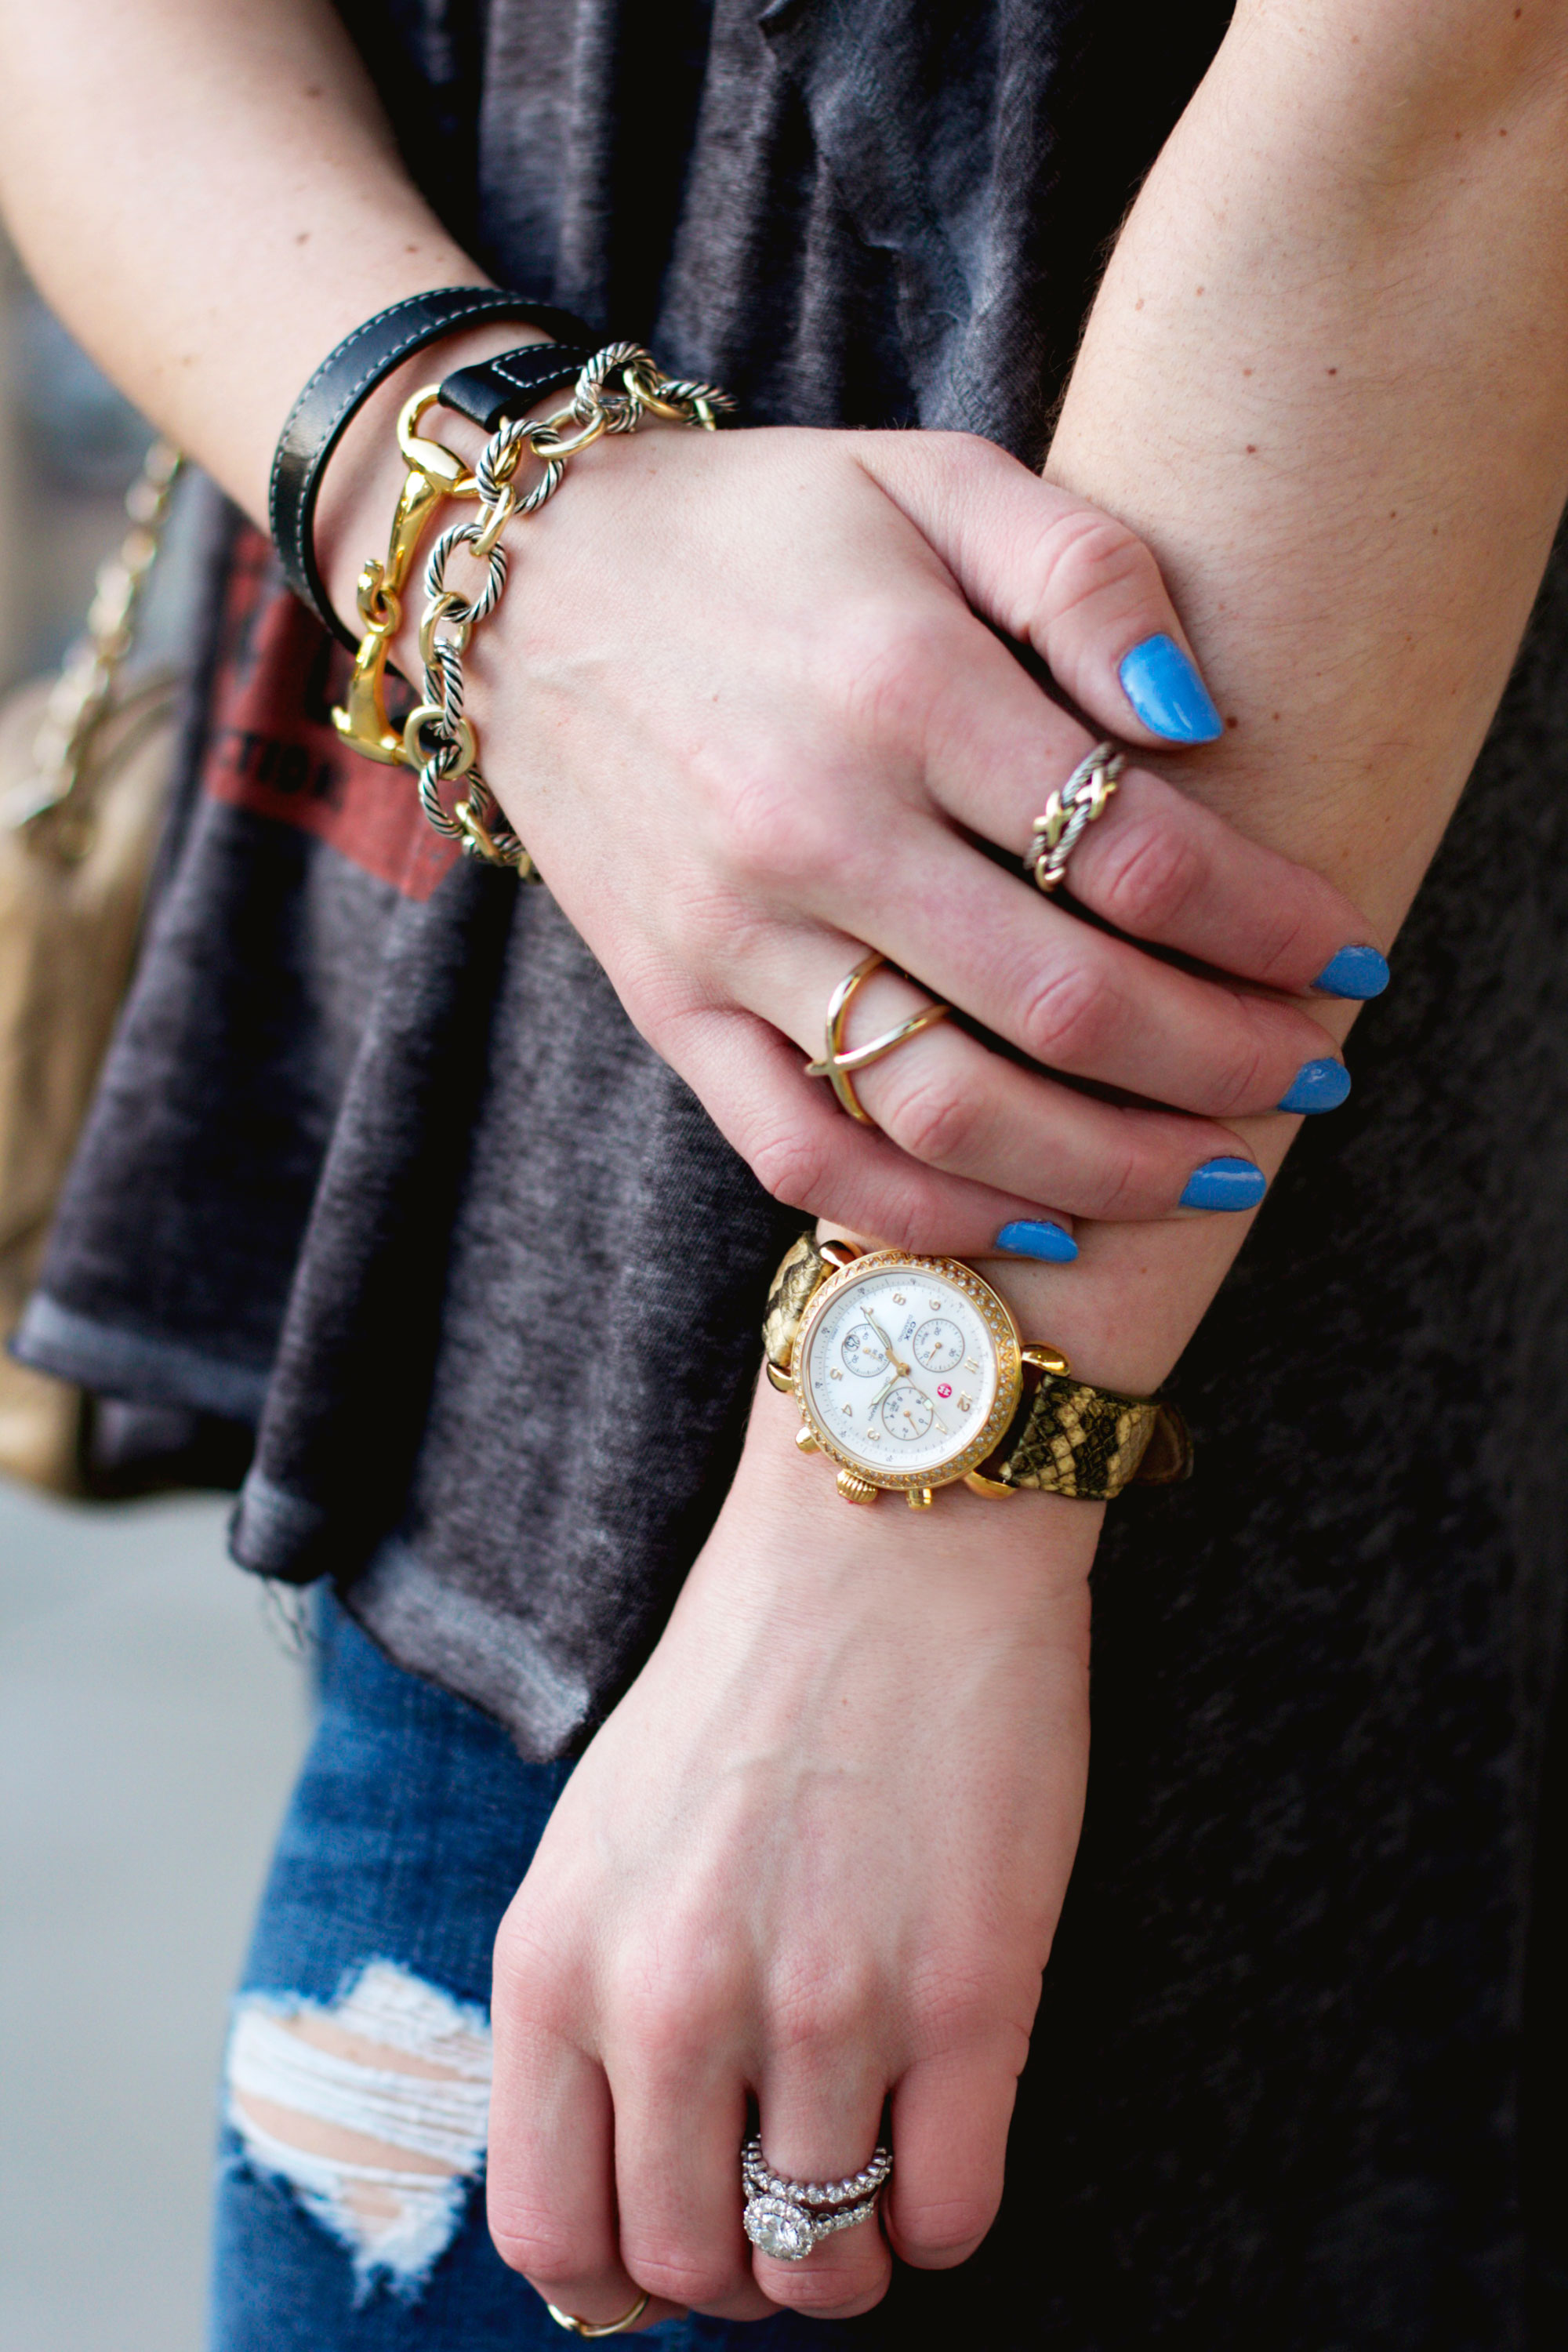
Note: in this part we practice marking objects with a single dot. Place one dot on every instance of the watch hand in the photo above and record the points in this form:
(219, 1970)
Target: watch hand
(919, 1391)
(886, 1346)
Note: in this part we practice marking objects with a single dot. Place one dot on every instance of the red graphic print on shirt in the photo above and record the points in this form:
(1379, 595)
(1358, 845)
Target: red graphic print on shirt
(272, 748)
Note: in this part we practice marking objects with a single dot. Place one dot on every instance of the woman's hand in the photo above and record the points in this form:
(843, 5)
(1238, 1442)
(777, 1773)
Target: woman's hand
(813, 1860)
(740, 704)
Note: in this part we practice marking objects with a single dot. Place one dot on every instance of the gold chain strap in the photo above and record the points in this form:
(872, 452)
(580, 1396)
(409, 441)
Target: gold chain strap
(52, 803)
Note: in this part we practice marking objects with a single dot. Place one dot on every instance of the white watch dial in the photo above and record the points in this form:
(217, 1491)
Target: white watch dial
(902, 1370)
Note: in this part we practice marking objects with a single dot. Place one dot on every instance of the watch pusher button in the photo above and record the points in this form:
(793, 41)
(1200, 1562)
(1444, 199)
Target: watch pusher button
(919, 1498)
(806, 1441)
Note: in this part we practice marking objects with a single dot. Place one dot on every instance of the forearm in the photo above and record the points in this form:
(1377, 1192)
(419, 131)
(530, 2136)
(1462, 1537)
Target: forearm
(210, 197)
(1327, 378)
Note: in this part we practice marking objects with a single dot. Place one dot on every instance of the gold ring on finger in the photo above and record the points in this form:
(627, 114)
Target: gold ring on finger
(1068, 814)
(838, 1064)
(575, 2326)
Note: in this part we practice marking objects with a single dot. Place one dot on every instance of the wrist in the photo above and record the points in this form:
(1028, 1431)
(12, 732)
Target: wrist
(364, 475)
(1123, 1313)
(1015, 1560)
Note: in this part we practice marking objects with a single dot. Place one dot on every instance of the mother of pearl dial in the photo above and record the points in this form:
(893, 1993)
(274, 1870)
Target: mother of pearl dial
(900, 1371)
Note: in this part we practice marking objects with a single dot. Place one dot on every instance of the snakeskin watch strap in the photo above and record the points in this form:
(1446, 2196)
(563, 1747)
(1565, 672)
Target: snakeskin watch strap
(800, 1271)
(1088, 1443)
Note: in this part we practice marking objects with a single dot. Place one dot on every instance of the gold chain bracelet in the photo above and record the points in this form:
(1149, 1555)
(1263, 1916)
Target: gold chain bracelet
(619, 388)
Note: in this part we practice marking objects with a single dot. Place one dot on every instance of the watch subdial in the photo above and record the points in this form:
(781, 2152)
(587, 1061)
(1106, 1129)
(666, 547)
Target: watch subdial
(939, 1345)
(863, 1353)
(906, 1414)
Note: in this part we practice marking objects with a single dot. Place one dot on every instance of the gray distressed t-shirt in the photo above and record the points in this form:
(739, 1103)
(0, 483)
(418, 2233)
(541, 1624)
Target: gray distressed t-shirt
(379, 1161)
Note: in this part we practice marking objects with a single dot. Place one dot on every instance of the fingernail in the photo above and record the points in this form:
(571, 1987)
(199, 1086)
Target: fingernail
(1167, 693)
(1037, 1237)
(1224, 1184)
(1317, 1086)
(1359, 972)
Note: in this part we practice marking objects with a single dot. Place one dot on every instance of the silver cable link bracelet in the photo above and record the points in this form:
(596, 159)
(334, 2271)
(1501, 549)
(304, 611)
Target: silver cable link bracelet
(618, 389)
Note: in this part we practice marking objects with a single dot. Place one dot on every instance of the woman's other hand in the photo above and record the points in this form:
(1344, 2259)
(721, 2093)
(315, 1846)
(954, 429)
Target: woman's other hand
(746, 703)
(813, 1860)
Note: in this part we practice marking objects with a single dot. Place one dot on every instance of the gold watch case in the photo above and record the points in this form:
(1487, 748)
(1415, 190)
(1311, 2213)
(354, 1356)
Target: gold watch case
(860, 1481)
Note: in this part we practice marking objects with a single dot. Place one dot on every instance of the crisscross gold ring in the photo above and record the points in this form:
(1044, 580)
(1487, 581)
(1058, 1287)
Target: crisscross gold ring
(838, 1064)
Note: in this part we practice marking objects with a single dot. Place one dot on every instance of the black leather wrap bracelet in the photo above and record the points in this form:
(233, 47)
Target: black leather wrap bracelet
(348, 375)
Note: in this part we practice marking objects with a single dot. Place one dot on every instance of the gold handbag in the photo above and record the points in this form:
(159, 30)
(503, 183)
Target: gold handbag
(85, 769)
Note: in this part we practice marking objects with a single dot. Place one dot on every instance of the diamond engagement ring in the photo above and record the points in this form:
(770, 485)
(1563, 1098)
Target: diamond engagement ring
(1069, 811)
(786, 2217)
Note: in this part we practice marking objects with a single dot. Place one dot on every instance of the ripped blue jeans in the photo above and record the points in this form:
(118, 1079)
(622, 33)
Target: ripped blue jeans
(413, 1822)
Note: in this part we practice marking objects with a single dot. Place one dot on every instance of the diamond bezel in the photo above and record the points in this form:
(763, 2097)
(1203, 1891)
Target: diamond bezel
(1005, 1337)
(794, 2225)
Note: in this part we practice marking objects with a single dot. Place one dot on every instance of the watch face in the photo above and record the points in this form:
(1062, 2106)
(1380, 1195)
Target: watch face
(908, 1368)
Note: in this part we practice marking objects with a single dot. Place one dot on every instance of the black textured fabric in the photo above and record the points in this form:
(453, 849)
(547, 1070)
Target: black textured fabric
(366, 1149)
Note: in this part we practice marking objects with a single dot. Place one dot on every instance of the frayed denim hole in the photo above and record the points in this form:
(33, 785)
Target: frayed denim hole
(398, 2065)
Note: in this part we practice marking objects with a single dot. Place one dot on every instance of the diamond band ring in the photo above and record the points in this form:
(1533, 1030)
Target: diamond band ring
(786, 2217)
(1069, 811)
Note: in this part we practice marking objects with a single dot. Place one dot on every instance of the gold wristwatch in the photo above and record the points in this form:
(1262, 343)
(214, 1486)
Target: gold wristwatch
(909, 1374)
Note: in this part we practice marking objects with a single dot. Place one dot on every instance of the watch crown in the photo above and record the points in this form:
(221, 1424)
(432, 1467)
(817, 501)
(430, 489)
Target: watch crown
(857, 1490)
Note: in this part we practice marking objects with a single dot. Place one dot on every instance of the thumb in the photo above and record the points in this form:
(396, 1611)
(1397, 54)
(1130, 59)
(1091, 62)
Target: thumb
(1056, 573)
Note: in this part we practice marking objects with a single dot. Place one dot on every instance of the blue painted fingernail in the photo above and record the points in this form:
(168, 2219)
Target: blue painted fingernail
(1359, 972)
(1224, 1184)
(1167, 693)
(1317, 1086)
(1035, 1237)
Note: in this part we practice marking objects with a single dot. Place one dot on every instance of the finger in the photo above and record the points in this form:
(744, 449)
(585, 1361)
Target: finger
(807, 1153)
(680, 2120)
(951, 1104)
(1161, 866)
(1074, 998)
(549, 2170)
(819, 2118)
(950, 2120)
(1157, 864)
(1056, 573)
(991, 747)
